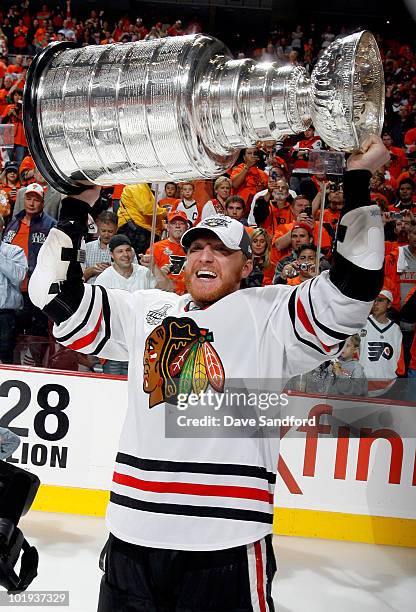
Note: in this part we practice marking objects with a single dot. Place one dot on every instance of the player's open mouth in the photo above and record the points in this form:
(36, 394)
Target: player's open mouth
(206, 274)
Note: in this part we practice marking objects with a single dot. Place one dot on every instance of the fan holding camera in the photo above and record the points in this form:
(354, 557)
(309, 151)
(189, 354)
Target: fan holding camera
(303, 268)
(13, 114)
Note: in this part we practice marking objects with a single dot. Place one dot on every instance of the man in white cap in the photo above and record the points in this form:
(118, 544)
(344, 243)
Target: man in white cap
(191, 517)
(381, 350)
(29, 229)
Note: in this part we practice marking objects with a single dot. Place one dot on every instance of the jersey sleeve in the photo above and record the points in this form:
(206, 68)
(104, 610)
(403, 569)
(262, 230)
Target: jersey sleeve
(102, 323)
(310, 322)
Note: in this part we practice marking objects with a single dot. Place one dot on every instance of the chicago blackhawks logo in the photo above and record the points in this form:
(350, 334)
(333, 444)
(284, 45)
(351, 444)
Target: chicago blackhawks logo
(180, 359)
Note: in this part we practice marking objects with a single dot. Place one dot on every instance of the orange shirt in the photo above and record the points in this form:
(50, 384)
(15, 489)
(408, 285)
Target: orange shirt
(14, 69)
(332, 216)
(410, 139)
(168, 252)
(284, 229)
(3, 100)
(168, 203)
(398, 161)
(379, 199)
(294, 281)
(117, 191)
(21, 239)
(276, 218)
(19, 133)
(256, 180)
(405, 175)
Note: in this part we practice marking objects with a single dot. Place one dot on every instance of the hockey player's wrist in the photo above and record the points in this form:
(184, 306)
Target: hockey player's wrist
(356, 189)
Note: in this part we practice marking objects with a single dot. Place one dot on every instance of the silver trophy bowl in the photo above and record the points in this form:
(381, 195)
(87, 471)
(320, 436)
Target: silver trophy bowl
(180, 108)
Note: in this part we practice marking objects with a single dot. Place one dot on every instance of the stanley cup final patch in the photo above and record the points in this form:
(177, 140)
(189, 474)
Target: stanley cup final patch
(216, 222)
(154, 317)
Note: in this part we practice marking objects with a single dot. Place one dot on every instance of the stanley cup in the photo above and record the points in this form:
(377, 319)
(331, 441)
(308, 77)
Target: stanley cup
(180, 108)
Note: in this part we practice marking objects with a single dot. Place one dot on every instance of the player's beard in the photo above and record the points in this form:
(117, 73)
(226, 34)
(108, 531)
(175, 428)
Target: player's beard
(212, 292)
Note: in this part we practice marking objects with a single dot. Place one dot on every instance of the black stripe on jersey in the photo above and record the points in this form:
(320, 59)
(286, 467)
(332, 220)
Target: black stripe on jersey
(84, 320)
(106, 316)
(381, 330)
(355, 282)
(187, 510)
(292, 314)
(154, 465)
(327, 330)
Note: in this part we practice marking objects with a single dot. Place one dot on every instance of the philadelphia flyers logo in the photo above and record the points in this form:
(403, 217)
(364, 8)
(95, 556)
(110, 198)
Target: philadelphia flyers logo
(378, 350)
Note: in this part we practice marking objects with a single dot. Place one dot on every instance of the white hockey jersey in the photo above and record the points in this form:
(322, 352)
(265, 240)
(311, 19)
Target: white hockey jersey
(380, 350)
(203, 493)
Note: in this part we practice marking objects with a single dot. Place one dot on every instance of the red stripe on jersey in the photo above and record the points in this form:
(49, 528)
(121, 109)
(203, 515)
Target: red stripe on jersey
(86, 340)
(301, 312)
(190, 488)
(260, 576)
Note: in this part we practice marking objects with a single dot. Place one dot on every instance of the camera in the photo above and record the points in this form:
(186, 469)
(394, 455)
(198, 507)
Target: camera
(308, 210)
(396, 216)
(335, 187)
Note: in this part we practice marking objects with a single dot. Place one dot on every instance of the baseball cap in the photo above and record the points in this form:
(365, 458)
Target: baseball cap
(178, 214)
(304, 226)
(35, 188)
(11, 167)
(231, 232)
(387, 294)
(118, 240)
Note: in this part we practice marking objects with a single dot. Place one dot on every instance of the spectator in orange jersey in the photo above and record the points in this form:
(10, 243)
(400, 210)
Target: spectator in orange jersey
(410, 141)
(20, 37)
(263, 267)
(171, 196)
(247, 179)
(398, 160)
(222, 190)
(169, 255)
(13, 114)
(274, 208)
(17, 67)
(188, 204)
(283, 236)
(410, 173)
(6, 93)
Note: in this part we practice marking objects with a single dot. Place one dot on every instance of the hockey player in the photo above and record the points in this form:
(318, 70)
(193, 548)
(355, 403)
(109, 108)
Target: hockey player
(381, 351)
(191, 518)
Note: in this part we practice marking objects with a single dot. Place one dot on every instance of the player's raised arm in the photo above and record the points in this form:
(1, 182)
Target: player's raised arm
(324, 311)
(88, 319)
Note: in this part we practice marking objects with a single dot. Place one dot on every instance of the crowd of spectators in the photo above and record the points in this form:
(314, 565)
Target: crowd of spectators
(271, 189)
